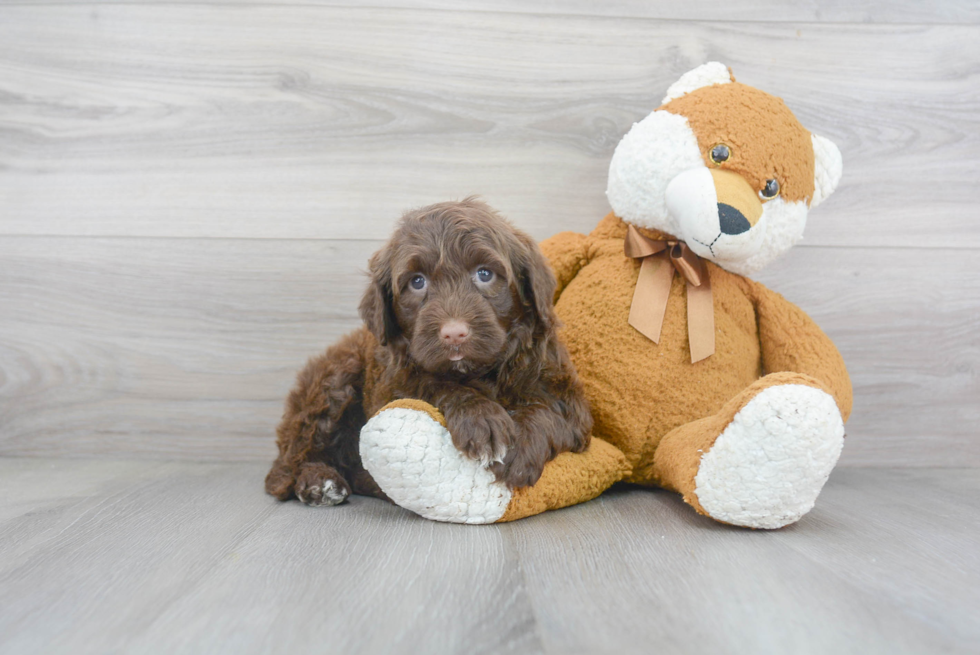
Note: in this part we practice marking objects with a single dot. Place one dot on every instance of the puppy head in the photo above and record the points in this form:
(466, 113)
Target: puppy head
(458, 289)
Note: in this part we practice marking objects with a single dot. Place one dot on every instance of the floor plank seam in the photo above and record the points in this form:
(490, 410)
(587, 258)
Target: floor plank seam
(201, 580)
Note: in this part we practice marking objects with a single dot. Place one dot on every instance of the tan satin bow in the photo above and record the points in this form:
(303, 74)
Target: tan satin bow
(660, 260)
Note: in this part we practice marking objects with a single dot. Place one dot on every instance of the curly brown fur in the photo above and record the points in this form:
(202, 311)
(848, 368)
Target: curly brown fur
(459, 314)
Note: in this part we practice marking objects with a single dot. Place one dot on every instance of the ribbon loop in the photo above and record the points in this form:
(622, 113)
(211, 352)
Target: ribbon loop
(686, 263)
(638, 246)
(652, 291)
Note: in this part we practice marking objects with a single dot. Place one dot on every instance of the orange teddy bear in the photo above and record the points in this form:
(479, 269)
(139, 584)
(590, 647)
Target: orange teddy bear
(701, 380)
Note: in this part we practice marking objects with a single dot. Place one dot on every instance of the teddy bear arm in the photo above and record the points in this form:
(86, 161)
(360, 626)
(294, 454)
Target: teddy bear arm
(792, 342)
(407, 449)
(570, 479)
(567, 253)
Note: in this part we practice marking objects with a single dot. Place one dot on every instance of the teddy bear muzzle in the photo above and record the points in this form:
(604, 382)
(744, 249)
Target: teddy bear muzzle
(718, 214)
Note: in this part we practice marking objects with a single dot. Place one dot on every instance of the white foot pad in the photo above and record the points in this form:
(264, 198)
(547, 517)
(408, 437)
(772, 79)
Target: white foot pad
(768, 466)
(413, 460)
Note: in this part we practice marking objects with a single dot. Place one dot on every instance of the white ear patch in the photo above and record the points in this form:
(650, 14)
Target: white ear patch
(828, 166)
(704, 75)
(652, 153)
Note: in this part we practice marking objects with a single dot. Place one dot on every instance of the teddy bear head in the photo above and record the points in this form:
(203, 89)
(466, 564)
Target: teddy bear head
(724, 167)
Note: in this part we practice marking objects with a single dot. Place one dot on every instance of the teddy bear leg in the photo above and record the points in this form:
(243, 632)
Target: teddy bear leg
(410, 454)
(762, 460)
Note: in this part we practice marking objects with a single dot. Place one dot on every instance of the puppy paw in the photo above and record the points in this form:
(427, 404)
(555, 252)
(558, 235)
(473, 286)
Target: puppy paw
(319, 484)
(517, 470)
(482, 431)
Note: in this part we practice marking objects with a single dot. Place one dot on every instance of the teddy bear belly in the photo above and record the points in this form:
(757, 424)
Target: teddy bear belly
(640, 390)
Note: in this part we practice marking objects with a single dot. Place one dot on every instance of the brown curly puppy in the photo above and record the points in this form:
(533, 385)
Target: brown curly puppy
(458, 314)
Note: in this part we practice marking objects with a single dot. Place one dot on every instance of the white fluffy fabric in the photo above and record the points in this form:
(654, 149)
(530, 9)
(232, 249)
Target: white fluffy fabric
(828, 168)
(768, 466)
(692, 202)
(647, 159)
(413, 460)
(783, 223)
(660, 151)
(704, 75)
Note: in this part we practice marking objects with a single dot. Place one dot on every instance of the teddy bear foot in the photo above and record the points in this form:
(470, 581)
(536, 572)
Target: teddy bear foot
(766, 469)
(410, 454)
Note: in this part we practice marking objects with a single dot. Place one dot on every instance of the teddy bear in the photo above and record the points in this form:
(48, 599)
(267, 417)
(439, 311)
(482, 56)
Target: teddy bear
(701, 380)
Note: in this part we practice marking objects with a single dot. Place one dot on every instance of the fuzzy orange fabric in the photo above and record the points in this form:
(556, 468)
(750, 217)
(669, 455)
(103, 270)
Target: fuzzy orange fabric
(642, 392)
(765, 139)
(569, 479)
(678, 457)
(655, 412)
(417, 405)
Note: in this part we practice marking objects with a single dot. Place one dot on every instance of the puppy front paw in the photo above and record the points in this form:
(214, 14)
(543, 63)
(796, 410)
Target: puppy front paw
(319, 484)
(519, 469)
(482, 431)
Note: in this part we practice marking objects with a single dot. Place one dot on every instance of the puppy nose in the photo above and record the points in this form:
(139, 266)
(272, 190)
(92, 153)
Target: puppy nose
(454, 332)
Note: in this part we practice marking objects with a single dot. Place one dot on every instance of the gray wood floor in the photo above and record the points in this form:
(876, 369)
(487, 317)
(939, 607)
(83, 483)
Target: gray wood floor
(156, 557)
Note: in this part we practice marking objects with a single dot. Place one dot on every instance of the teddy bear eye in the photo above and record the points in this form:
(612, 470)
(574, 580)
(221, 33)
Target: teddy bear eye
(771, 190)
(417, 282)
(720, 153)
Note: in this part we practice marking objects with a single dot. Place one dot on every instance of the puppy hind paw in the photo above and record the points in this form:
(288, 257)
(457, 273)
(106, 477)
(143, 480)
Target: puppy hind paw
(320, 485)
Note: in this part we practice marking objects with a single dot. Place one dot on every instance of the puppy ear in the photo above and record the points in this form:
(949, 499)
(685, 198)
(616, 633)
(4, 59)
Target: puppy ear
(537, 283)
(377, 308)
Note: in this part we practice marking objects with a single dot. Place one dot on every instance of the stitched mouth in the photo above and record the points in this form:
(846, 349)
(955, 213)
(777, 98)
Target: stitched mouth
(708, 245)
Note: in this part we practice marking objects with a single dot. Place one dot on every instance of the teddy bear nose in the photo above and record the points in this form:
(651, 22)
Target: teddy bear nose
(454, 332)
(732, 220)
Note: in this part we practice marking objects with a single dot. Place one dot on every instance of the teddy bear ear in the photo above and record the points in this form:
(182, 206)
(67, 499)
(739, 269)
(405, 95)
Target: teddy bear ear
(704, 75)
(827, 169)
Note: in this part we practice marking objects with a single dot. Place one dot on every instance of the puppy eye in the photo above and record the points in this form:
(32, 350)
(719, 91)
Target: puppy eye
(484, 274)
(771, 190)
(720, 153)
(417, 282)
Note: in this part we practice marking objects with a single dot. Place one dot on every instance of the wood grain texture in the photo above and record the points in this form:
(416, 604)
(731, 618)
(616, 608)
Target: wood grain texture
(326, 122)
(194, 558)
(855, 566)
(180, 348)
(188, 192)
(185, 348)
(957, 12)
(905, 320)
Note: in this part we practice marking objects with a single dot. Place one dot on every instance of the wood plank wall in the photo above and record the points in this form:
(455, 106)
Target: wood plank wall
(189, 192)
